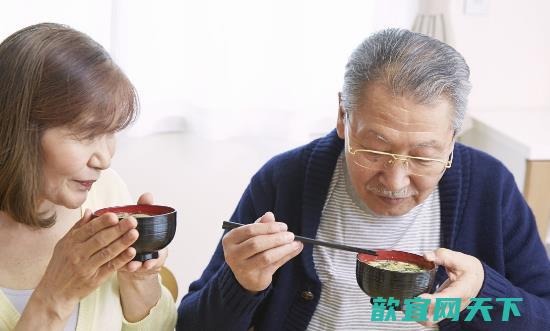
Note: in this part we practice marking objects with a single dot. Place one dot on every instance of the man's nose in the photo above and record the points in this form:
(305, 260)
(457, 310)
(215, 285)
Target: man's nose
(395, 176)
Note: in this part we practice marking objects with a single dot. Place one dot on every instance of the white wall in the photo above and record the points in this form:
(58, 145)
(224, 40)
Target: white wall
(508, 51)
(90, 16)
(215, 62)
(211, 50)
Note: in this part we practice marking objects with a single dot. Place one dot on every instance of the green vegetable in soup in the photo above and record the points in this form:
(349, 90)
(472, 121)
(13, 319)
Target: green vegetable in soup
(396, 266)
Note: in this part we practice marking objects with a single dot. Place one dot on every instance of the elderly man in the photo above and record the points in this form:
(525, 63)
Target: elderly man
(390, 176)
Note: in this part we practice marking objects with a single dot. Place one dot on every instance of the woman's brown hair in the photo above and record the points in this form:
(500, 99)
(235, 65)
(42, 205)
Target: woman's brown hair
(52, 76)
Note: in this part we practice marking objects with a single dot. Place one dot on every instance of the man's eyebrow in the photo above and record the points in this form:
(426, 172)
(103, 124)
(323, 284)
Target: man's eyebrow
(430, 143)
(378, 136)
(425, 144)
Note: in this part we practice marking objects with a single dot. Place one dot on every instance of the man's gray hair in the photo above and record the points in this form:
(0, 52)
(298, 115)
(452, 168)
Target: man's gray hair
(408, 63)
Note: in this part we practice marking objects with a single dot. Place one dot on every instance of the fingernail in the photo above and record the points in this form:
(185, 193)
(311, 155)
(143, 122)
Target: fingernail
(283, 226)
(297, 245)
(289, 236)
(430, 256)
(132, 221)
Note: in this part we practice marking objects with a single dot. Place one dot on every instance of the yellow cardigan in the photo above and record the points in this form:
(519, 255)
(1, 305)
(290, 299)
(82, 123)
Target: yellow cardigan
(101, 310)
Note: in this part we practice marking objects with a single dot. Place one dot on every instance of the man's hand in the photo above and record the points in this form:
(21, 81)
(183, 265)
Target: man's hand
(255, 251)
(465, 279)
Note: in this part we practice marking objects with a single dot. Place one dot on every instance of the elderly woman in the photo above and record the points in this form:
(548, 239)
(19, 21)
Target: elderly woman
(62, 98)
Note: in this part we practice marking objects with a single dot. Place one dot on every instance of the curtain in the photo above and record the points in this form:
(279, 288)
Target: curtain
(433, 19)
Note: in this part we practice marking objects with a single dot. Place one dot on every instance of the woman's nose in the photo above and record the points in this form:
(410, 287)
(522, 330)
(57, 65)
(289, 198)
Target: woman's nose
(103, 152)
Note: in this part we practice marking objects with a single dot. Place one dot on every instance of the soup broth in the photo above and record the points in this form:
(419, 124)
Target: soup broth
(125, 215)
(396, 266)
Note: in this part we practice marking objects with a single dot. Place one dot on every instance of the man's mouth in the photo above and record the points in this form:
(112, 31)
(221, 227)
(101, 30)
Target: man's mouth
(391, 201)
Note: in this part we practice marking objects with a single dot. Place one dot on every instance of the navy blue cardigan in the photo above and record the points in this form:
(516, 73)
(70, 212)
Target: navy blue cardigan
(482, 214)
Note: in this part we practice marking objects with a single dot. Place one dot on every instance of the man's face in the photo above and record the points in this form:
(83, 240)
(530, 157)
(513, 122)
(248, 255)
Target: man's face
(399, 125)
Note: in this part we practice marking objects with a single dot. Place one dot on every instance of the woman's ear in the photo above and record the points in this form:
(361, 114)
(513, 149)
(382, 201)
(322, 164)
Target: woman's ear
(340, 120)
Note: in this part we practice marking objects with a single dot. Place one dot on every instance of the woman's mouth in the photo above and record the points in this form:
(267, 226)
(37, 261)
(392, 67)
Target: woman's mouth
(85, 184)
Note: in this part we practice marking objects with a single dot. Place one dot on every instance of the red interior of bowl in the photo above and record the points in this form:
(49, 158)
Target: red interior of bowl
(397, 256)
(152, 210)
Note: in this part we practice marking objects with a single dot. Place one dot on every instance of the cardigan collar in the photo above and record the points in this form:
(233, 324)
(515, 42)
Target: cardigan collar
(320, 165)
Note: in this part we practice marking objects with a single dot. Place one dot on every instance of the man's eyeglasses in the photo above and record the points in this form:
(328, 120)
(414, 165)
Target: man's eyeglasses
(377, 160)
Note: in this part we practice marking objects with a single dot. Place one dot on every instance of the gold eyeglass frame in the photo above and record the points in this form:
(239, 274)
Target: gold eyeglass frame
(394, 157)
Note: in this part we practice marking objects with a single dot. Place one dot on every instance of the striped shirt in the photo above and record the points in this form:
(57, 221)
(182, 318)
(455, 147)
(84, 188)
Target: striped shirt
(346, 219)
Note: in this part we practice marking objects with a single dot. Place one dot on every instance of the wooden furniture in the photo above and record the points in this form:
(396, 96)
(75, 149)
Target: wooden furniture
(537, 193)
(521, 140)
(169, 281)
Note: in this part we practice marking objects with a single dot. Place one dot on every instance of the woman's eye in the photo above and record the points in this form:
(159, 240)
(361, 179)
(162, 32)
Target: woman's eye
(84, 139)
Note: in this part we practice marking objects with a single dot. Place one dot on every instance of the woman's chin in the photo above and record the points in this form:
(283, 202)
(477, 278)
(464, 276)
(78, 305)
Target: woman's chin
(74, 201)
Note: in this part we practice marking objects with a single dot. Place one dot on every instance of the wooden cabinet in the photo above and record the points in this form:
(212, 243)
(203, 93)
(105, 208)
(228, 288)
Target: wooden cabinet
(537, 192)
(521, 140)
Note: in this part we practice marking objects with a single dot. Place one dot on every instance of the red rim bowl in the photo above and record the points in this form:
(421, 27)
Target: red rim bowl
(156, 231)
(377, 282)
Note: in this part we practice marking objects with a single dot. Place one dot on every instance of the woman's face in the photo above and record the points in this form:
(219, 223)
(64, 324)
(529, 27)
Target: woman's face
(71, 165)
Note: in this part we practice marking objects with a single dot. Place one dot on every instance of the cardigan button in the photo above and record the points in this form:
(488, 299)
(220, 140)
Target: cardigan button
(307, 295)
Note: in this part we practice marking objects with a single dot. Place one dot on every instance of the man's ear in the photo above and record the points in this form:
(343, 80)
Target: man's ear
(340, 120)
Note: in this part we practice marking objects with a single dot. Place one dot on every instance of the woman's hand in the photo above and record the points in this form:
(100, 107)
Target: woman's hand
(142, 270)
(466, 277)
(139, 282)
(82, 260)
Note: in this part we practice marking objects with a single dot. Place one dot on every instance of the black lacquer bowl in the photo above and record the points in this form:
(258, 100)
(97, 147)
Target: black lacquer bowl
(156, 227)
(377, 282)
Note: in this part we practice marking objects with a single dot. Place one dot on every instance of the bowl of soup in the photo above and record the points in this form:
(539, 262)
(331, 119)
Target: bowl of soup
(396, 274)
(156, 226)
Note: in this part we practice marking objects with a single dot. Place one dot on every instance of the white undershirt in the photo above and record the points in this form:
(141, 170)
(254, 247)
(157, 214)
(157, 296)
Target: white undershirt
(346, 219)
(20, 298)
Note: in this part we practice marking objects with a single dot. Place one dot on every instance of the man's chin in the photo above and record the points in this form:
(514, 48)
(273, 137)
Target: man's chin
(385, 206)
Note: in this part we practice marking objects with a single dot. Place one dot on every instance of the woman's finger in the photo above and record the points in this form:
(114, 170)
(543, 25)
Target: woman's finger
(89, 229)
(132, 266)
(86, 217)
(146, 199)
(107, 236)
(116, 263)
(113, 250)
(150, 264)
